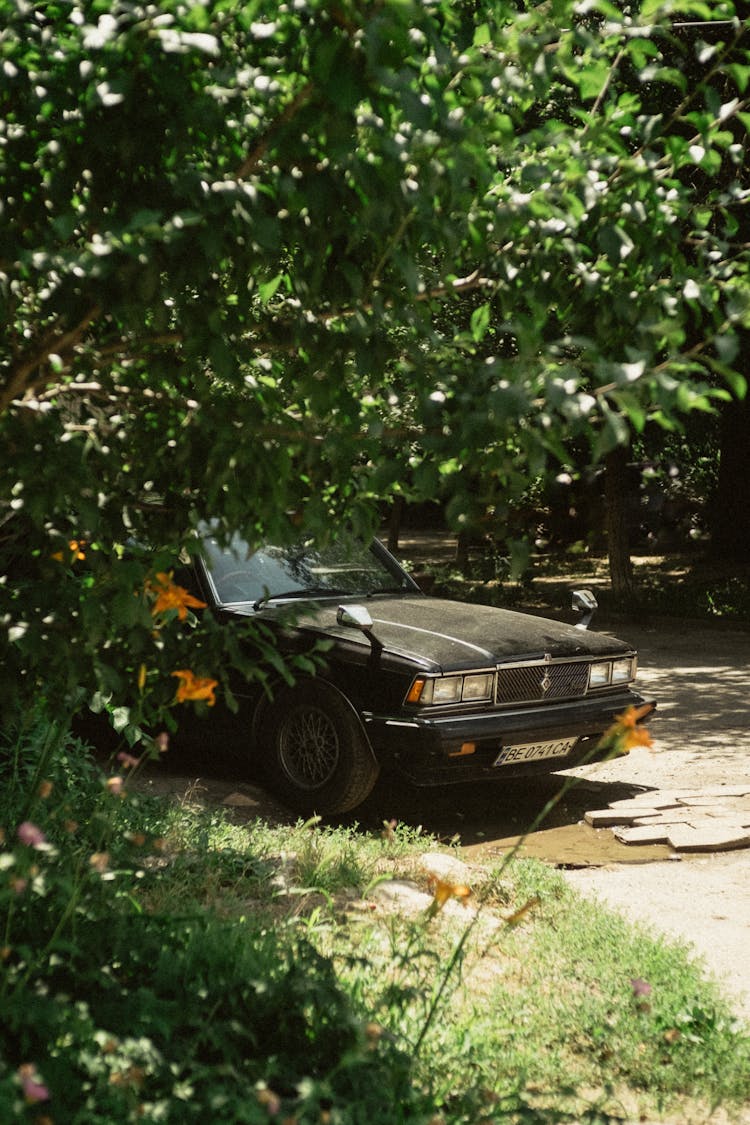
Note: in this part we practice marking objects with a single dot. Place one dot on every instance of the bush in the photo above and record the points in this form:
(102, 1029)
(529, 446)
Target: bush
(114, 1014)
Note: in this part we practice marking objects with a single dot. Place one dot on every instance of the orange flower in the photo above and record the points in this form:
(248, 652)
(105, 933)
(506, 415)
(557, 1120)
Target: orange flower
(168, 595)
(519, 915)
(442, 890)
(624, 733)
(194, 687)
(77, 553)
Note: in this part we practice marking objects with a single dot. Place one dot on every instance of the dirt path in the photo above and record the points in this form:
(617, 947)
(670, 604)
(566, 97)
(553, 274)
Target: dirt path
(701, 677)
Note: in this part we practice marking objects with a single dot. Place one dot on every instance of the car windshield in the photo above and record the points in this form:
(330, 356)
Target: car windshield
(343, 568)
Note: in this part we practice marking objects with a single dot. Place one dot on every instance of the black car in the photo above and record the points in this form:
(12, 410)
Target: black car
(441, 690)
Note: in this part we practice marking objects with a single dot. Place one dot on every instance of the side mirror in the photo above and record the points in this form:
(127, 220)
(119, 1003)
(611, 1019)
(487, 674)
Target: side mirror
(358, 617)
(354, 617)
(585, 605)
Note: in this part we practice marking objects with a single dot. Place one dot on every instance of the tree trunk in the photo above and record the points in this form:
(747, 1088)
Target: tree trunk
(616, 497)
(462, 552)
(394, 523)
(730, 518)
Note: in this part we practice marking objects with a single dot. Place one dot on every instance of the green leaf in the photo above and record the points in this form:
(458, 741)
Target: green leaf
(120, 718)
(592, 78)
(267, 289)
(480, 322)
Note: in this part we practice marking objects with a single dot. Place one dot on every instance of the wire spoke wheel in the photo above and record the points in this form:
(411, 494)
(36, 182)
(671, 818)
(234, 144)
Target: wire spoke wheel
(308, 747)
(318, 758)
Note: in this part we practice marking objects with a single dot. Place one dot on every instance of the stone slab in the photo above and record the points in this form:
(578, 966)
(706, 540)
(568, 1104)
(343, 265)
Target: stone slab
(699, 802)
(651, 834)
(683, 838)
(687, 820)
(656, 801)
(609, 818)
(715, 791)
(677, 816)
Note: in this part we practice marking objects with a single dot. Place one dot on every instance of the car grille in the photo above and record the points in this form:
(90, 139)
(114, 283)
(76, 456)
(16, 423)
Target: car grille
(533, 683)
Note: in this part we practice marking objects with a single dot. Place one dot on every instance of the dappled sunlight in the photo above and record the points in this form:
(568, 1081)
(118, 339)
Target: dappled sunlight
(698, 702)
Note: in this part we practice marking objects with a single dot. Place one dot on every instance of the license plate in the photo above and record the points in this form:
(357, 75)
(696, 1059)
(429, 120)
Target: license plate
(534, 751)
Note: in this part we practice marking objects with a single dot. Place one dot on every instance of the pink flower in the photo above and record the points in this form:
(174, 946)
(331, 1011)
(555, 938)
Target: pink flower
(641, 992)
(33, 1090)
(114, 784)
(30, 835)
(127, 760)
(162, 742)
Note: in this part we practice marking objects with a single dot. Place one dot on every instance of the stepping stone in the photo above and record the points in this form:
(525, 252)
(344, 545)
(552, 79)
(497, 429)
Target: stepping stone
(699, 802)
(699, 820)
(678, 816)
(609, 818)
(652, 834)
(704, 839)
(649, 801)
(715, 791)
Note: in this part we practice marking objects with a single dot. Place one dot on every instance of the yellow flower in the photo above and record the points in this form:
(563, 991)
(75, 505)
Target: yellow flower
(194, 687)
(168, 595)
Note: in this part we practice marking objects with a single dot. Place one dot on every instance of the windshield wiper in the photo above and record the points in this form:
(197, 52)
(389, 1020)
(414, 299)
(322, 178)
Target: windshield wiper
(310, 592)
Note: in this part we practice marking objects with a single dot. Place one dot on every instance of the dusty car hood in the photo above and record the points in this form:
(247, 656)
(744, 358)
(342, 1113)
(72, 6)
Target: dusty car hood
(445, 634)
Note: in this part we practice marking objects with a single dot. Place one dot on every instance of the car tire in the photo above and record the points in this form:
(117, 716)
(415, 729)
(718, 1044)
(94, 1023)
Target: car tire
(317, 757)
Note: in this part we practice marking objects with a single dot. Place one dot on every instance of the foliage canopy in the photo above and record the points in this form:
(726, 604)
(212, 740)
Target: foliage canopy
(276, 262)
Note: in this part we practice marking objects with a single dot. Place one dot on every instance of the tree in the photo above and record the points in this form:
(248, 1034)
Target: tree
(235, 254)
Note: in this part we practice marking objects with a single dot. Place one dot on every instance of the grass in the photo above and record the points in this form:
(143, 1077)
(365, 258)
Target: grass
(539, 1021)
(161, 962)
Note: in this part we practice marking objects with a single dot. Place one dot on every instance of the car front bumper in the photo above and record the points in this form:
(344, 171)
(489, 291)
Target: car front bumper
(435, 749)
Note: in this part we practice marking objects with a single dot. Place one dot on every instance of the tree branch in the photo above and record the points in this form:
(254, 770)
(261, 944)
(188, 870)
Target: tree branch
(254, 157)
(19, 377)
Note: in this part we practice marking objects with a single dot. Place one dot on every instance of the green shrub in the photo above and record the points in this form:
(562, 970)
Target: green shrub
(111, 1013)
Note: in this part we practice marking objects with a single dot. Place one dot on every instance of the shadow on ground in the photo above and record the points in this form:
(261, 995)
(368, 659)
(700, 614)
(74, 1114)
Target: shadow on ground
(488, 819)
(485, 819)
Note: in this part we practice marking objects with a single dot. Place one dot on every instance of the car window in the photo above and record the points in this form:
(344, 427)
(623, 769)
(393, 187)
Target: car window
(345, 567)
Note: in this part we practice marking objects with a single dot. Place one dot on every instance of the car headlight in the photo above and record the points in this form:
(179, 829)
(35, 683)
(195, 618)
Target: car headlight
(476, 687)
(623, 671)
(600, 674)
(446, 690)
(620, 671)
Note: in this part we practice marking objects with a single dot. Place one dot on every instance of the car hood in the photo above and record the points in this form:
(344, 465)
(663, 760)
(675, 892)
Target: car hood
(439, 634)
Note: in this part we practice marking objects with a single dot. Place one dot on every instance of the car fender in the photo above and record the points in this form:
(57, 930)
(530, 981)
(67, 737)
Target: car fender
(266, 702)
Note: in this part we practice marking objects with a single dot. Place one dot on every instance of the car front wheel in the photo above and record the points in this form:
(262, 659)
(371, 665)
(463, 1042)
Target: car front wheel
(318, 758)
